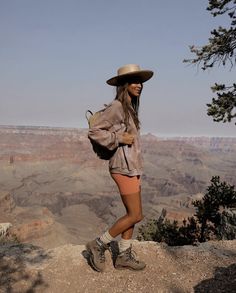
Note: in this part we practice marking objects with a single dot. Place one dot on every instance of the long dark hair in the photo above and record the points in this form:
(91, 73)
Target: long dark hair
(132, 108)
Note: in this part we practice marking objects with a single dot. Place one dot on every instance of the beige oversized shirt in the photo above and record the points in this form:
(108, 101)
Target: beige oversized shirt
(107, 131)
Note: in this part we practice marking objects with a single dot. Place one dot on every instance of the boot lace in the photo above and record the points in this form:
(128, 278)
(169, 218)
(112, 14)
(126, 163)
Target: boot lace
(131, 255)
(102, 253)
(101, 250)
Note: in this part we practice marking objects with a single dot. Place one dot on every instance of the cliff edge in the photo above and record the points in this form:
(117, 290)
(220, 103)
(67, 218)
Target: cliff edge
(209, 267)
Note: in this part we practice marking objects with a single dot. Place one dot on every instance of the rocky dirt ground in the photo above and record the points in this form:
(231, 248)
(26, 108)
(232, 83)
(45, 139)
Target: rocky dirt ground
(209, 267)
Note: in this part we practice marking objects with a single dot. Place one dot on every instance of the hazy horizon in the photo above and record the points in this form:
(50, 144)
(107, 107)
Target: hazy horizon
(142, 133)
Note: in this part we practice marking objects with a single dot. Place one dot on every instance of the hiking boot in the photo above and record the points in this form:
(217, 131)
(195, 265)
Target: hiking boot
(96, 249)
(127, 260)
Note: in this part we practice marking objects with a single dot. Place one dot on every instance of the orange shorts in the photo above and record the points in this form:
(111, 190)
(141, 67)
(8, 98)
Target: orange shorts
(127, 184)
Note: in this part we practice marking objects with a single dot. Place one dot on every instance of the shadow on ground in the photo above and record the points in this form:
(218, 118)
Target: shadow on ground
(18, 268)
(224, 280)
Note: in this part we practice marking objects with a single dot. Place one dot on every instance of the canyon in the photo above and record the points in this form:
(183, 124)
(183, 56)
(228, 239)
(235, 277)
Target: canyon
(54, 190)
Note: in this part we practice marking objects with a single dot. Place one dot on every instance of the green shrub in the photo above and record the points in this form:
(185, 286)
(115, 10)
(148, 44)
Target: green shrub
(219, 197)
(215, 218)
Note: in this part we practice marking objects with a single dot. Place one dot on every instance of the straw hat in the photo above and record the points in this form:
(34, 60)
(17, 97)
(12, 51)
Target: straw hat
(130, 72)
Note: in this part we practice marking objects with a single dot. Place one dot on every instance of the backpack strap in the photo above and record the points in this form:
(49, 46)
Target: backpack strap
(88, 114)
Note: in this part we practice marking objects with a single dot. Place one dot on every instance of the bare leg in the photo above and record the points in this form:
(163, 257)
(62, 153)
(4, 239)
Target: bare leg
(129, 232)
(125, 224)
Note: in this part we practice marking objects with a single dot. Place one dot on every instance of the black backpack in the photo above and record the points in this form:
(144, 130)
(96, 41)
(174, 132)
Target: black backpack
(101, 151)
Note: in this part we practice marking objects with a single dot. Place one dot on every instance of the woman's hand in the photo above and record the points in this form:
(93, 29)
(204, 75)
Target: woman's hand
(127, 138)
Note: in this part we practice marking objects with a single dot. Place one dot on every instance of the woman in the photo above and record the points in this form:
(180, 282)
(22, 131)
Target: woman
(117, 129)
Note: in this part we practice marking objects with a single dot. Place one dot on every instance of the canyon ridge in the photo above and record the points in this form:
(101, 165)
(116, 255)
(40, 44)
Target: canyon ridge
(55, 191)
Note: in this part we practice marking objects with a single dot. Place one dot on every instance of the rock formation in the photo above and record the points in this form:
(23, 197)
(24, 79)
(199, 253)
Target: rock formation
(4, 227)
(53, 184)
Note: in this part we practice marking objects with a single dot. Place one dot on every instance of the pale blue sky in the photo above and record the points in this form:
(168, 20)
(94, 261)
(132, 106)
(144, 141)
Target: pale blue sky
(56, 55)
